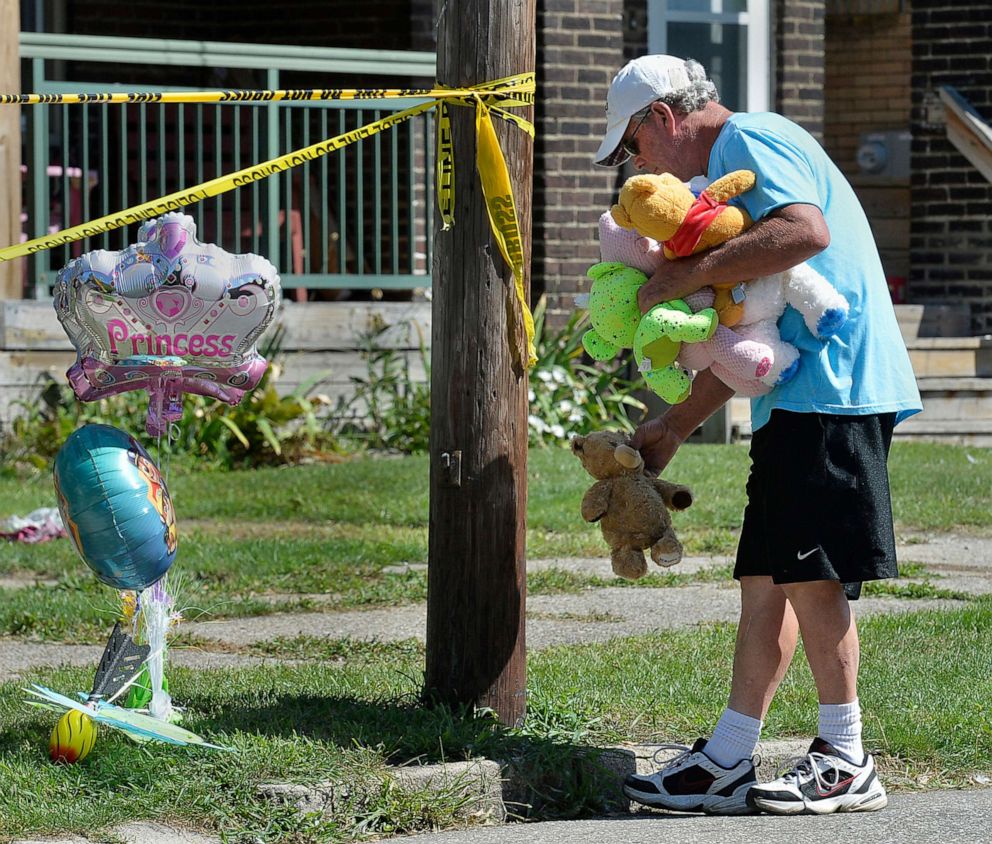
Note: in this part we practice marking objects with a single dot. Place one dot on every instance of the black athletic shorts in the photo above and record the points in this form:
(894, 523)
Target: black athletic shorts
(818, 505)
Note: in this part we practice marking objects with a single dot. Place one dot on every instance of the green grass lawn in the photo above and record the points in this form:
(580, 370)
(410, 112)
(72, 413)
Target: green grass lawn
(261, 541)
(926, 689)
(254, 542)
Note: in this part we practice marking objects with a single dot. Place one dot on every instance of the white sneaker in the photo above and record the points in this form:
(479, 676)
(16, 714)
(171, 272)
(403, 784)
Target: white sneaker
(692, 782)
(819, 783)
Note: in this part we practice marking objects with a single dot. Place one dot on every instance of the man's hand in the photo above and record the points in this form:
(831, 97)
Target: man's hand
(674, 280)
(659, 438)
(657, 442)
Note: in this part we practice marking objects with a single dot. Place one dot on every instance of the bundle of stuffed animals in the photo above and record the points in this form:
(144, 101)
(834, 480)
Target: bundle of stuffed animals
(730, 330)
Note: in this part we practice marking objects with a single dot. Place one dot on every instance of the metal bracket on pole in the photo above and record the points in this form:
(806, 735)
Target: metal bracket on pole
(451, 468)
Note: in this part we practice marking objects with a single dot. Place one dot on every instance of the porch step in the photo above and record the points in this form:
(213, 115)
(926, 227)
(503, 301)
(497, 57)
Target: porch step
(954, 410)
(956, 357)
(933, 320)
(953, 372)
(919, 428)
(957, 398)
(976, 432)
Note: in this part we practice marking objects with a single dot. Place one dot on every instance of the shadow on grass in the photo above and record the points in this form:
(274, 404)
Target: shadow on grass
(547, 776)
(19, 735)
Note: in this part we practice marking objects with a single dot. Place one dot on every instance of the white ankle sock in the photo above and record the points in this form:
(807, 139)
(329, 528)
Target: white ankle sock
(735, 738)
(840, 726)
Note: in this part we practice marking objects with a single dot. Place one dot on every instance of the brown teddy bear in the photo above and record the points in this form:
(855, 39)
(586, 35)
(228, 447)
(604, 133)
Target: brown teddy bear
(663, 208)
(631, 507)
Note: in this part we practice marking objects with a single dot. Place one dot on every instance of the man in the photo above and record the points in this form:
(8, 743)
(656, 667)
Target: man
(818, 519)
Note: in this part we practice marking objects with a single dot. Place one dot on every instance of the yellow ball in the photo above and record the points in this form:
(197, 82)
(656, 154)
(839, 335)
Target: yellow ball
(73, 738)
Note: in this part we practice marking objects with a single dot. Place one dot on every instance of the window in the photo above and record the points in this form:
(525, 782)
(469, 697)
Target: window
(728, 37)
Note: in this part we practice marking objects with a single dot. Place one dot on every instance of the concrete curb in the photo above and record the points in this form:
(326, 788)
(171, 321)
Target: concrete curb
(497, 791)
(619, 761)
(486, 791)
(773, 755)
(477, 787)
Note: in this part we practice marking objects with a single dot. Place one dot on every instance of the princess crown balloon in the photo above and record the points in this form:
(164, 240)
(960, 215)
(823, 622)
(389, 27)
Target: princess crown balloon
(169, 315)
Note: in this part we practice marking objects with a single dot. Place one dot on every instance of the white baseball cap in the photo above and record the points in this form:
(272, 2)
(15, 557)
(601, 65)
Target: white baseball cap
(637, 84)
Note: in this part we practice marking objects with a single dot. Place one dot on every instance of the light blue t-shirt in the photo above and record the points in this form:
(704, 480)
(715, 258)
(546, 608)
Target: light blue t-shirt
(865, 368)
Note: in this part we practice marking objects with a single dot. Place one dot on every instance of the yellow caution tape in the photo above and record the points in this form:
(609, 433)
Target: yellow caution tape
(444, 168)
(488, 99)
(520, 87)
(496, 188)
(214, 187)
(503, 215)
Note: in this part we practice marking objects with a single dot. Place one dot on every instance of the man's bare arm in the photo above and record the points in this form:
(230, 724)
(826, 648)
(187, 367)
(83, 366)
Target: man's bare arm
(659, 438)
(781, 240)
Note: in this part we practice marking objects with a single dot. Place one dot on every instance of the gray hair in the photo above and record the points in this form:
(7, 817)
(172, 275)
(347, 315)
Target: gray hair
(699, 92)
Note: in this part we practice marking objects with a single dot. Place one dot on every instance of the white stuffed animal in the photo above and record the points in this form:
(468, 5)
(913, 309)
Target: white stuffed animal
(823, 308)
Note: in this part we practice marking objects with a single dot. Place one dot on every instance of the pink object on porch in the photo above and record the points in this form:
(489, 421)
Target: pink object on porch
(57, 222)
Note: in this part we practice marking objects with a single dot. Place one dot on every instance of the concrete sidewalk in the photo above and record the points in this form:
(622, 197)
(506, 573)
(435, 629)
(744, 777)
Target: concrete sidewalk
(944, 817)
(938, 817)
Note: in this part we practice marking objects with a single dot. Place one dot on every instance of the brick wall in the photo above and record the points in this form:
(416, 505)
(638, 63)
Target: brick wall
(859, 102)
(579, 47)
(371, 24)
(951, 214)
(798, 30)
(423, 35)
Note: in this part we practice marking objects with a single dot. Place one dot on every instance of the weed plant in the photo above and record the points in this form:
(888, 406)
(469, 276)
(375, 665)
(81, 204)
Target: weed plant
(389, 408)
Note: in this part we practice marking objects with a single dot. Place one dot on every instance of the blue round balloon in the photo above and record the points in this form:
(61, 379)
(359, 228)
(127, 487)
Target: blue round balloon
(115, 507)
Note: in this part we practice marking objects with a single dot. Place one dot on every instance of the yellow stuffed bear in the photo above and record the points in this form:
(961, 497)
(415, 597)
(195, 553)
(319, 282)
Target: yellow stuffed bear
(663, 208)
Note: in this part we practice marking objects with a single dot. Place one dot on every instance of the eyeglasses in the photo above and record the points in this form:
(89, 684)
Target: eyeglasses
(630, 145)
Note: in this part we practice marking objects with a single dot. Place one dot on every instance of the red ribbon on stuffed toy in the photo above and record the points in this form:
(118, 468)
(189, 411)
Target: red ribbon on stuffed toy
(701, 213)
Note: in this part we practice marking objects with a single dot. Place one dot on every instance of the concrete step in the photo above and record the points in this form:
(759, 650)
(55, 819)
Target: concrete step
(933, 320)
(951, 357)
(955, 410)
(971, 432)
(976, 432)
(956, 399)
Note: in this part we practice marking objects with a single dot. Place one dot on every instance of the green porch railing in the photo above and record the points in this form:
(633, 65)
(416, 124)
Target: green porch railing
(360, 218)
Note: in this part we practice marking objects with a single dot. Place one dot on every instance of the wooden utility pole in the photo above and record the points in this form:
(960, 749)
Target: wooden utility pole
(478, 477)
(10, 146)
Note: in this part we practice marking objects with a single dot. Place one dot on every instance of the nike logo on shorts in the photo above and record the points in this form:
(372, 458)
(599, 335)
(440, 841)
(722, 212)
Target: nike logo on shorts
(801, 556)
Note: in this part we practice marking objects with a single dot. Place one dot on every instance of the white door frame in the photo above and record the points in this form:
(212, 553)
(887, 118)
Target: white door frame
(755, 19)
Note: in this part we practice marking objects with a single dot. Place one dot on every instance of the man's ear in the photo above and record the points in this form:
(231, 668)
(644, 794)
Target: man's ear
(666, 115)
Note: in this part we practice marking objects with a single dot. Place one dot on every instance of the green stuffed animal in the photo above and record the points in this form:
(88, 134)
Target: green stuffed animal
(655, 337)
